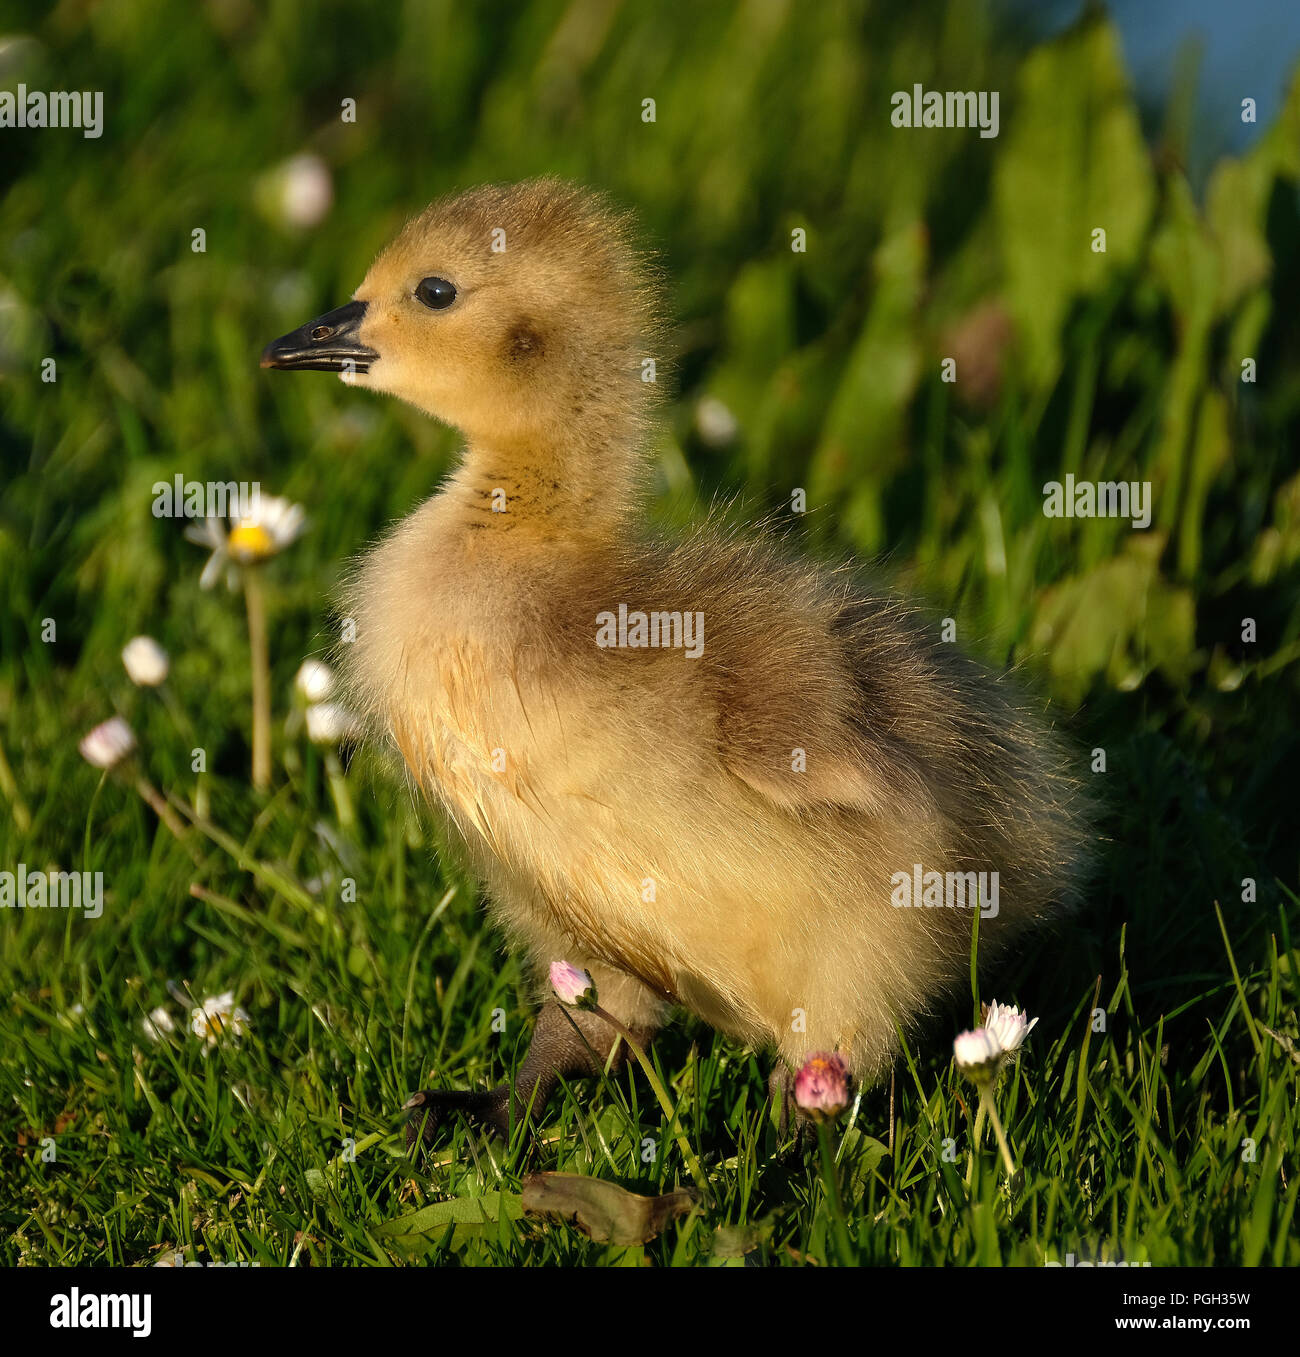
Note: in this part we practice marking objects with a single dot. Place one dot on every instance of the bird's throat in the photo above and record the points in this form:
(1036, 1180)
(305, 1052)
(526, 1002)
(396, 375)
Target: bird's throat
(548, 491)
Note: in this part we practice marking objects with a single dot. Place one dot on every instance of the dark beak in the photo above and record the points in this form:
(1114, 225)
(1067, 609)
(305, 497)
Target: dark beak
(327, 344)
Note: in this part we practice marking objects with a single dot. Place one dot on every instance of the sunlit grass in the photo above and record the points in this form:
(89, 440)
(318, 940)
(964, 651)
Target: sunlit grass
(1166, 1134)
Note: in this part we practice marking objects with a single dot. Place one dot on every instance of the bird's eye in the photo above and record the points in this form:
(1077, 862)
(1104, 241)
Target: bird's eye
(435, 293)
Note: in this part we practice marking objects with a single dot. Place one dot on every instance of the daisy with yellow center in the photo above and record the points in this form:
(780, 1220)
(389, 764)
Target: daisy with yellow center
(249, 542)
(217, 1019)
(272, 524)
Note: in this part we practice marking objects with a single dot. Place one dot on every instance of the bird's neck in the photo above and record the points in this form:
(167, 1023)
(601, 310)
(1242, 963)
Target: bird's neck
(583, 484)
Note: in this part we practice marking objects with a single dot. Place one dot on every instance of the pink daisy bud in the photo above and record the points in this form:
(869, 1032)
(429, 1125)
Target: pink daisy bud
(108, 744)
(821, 1088)
(572, 986)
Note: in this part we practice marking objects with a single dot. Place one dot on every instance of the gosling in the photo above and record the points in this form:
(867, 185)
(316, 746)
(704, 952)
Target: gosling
(710, 775)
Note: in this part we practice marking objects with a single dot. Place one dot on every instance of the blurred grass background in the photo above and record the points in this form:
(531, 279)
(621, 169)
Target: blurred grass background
(818, 370)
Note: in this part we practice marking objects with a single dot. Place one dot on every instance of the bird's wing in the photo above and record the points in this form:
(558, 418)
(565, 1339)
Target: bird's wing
(810, 716)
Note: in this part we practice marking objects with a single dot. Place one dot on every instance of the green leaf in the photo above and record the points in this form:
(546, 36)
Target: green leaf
(603, 1211)
(735, 1241)
(1074, 162)
(862, 1153)
(1121, 619)
(484, 1210)
(863, 437)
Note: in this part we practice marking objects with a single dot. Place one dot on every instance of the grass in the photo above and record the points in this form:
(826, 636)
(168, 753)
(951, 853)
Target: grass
(1154, 1113)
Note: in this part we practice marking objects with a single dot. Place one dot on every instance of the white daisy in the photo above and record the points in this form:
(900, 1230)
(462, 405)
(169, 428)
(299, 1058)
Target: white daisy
(716, 424)
(306, 190)
(328, 723)
(158, 1024)
(1008, 1026)
(981, 1054)
(976, 1055)
(272, 525)
(145, 661)
(314, 680)
(219, 1017)
(211, 534)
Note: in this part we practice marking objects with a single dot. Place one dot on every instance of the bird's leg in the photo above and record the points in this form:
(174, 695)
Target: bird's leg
(567, 1043)
(780, 1091)
(794, 1130)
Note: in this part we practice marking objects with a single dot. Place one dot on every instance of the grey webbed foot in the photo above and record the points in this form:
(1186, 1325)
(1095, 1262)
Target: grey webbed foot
(566, 1044)
(433, 1108)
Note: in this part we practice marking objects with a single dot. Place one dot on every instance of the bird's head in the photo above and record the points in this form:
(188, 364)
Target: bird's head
(519, 314)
